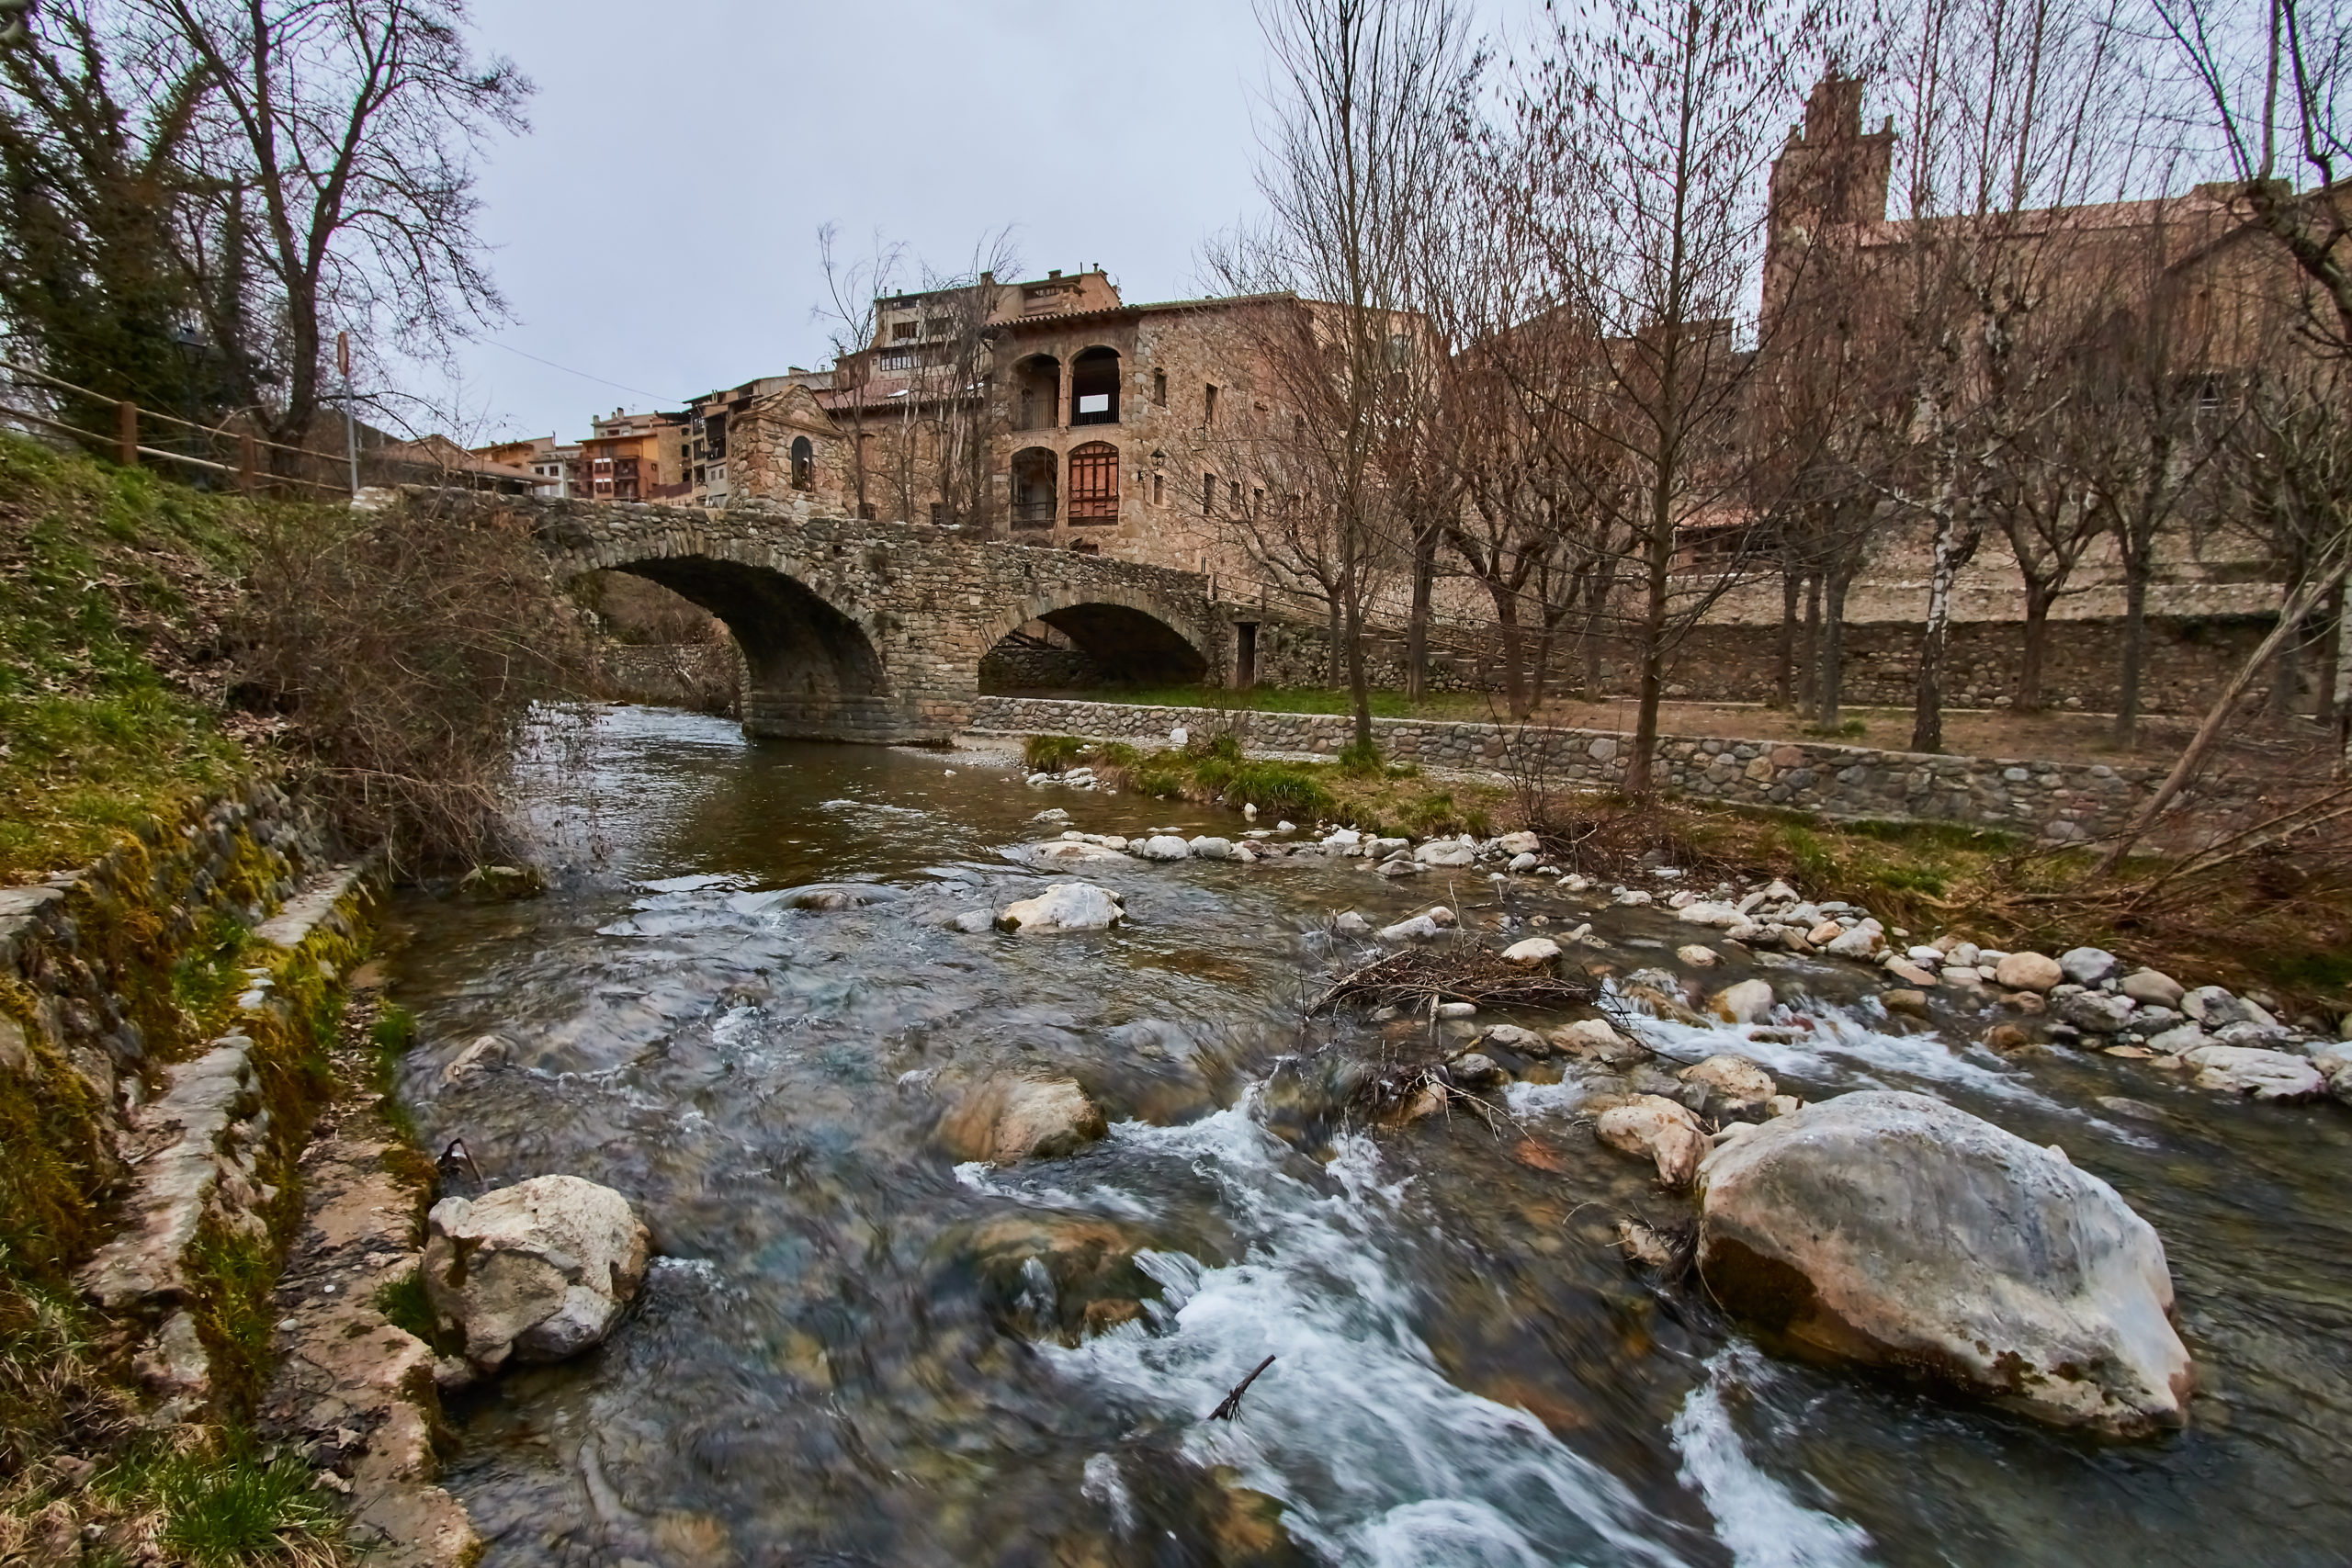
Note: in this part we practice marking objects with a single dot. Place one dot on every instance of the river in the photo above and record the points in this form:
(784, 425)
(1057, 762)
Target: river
(851, 1350)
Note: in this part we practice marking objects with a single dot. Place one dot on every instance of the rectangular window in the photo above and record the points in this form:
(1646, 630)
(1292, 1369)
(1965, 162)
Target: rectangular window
(1257, 501)
(1208, 495)
(1208, 407)
(904, 332)
(1236, 498)
(1159, 387)
(938, 327)
(1158, 490)
(898, 359)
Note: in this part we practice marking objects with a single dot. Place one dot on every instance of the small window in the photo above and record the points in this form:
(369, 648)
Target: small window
(1208, 495)
(1236, 497)
(898, 359)
(1208, 406)
(938, 327)
(1159, 387)
(865, 510)
(904, 332)
(804, 464)
(1159, 490)
(1257, 501)
(938, 515)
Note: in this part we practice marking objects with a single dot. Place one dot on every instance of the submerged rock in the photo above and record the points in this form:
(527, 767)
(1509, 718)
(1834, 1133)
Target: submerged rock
(1065, 907)
(537, 1272)
(829, 895)
(1735, 1079)
(1894, 1230)
(1010, 1119)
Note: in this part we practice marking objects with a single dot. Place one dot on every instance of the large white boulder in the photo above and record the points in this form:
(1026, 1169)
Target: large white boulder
(1736, 1078)
(1532, 952)
(1893, 1229)
(1159, 846)
(2028, 972)
(535, 1272)
(1065, 907)
(1445, 853)
(1747, 1001)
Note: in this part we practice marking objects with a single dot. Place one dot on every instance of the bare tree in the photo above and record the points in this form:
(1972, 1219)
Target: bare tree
(2272, 76)
(1644, 134)
(852, 288)
(1366, 95)
(337, 162)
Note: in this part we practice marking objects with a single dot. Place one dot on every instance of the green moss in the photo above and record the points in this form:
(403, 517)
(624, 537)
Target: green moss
(406, 1307)
(56, 1166)
(210, 974)
(230, 1275)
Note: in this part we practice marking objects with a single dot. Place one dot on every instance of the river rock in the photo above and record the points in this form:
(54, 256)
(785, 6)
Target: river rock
(1697, 955)
(2152, 987)
(1745, 1002)
(833, 896)
(1653, 1127)
(1520, 843)
(2213, 1007)
(1913, 974)
(2088, 966)
(2265, 1075)
(1736, 1078)
(486, 1051)
(2180, 1038)
(1010, 1119)
(1858, 942)
(971, 922)
(1065, 907)
(1350, 923)
(1058, 854)
(2093, 1012)
(1475, 1069)
(1159, 846)
(1208, 848)
(1702, 913)
(1511, 1037)
(1593, 1039)
(1445, 853)
(1892, 1229)
(535, 1272)
(1434, 921)
(2028, 972)
(1532, 952)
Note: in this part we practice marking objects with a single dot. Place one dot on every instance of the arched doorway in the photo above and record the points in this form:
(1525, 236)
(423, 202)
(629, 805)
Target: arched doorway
(1091, 646)
(1037, 393)
(1094, 387)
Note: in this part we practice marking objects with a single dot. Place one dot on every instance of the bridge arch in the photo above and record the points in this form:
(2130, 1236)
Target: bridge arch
(813, 671)
(1120, 637)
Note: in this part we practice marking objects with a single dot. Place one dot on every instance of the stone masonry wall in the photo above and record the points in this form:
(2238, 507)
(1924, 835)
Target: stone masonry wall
(2058, 802)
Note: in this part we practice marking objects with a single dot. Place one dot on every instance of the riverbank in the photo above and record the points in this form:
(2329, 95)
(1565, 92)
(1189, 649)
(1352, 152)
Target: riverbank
(2278, 930)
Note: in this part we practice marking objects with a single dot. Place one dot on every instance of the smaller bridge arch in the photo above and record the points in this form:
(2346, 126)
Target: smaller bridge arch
(1122, 636)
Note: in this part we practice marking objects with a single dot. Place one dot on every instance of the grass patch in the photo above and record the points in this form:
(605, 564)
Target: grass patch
(225, 1504)
(1051, 754)
(406, 1306)
(231, 1276)
(209, 972)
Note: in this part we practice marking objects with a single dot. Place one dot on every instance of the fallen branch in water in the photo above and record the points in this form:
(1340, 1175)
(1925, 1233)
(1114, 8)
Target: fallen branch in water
(1230, 1405)
(1418, 977)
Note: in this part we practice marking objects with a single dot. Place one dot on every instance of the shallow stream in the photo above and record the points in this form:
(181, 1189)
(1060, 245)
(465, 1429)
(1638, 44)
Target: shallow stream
(852, 1351)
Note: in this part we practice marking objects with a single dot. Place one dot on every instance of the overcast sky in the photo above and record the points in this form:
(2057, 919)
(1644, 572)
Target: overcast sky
(658, 227)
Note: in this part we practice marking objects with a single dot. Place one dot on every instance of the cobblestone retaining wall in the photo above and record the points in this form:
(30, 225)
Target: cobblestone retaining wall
(2060, 802)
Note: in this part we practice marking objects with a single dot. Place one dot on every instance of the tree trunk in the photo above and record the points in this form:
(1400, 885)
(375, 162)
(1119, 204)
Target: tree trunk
(1506, 623)
(2135, 637)
(2331, 656)
(1951, 552)
(1809, 687)
(2287, 674)
(1338, 647)
(1833, 651)
(1786, 681)
(2037, 638)
(1417, 621)
(1639, 780)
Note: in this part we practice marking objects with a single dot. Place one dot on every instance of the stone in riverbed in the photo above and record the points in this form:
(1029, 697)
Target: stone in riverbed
(1511, 1037)
(834, 895)
(2265, 1075)
(1444, 853)
(1746, 1002)
(2152, 987)
(1697, 956)
(2088, 966)
(1208, 848)
(1520, 843)
(1594, 1039)
(1432, 923)
(2214, 1007)
(1532, 952)
(971, 922)
(1065, 907)
(1477, 1070)
(1893, 1229)
(1159, 846)
(2094, 1012)
(535, 1272)
(2028, 972)
(1736, 1080)
(1010, 1119)
(1651, 1127)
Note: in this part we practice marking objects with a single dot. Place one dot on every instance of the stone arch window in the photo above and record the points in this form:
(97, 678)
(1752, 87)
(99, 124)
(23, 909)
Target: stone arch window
(1035, 484)
(804, 464)
(1037, 393)
(1094, 483)
(1094, 387)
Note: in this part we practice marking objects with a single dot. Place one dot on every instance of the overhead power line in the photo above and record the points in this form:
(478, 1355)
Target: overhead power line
(617, 386)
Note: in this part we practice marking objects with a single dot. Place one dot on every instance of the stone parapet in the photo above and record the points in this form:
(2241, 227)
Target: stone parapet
(2057, 802)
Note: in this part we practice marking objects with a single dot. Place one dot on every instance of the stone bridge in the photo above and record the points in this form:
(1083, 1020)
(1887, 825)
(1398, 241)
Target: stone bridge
(875, 631)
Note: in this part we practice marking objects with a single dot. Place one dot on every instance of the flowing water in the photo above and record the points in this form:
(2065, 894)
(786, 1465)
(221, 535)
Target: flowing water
(853, 1350)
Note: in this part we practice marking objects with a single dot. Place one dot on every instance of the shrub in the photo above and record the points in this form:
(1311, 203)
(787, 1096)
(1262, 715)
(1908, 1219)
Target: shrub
(1361, 760)
(1050, 753)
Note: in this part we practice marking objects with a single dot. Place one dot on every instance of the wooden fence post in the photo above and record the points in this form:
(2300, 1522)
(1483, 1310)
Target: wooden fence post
(126, 417)
(248, 462)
